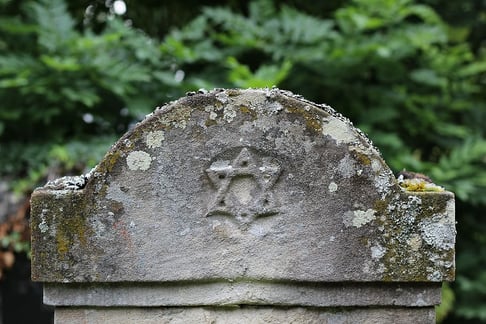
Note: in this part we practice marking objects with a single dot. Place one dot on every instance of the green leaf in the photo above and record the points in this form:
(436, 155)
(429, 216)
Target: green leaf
(473, 69)
(428, 77)
(264, 76)
(61, 63)
(447, 303)
(16, 26)
(14, 82)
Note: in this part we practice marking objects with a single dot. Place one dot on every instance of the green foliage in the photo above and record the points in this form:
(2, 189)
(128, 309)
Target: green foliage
(399, 71)
(60, 86)
(14, 241)
(266, 75)
(446, 305)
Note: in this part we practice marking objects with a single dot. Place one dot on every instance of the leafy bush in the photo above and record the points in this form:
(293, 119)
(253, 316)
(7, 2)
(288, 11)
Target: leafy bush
(58, 85)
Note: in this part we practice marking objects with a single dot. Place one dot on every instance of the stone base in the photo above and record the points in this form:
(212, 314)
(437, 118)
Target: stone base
(243, 293)
(245, 314)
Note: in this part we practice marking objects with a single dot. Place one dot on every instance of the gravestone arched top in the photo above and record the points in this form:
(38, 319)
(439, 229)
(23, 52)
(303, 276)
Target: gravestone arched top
(241, 185)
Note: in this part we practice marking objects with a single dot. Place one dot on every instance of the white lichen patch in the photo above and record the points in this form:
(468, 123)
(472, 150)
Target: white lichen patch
(415, 200)
(213, 115)
(358, 218)
(274, 107)
(434, 275)
(139, 160)
(411, 208)
(377, 251)
(346, 167)
(333, 187)
(229, 113)
(339, 130)
(43, 227)
(414, 242)
(182, 124)
(376, 165)
(154, 139)
(450, 212)
(222, 97)
(383, 181)
(438, 235)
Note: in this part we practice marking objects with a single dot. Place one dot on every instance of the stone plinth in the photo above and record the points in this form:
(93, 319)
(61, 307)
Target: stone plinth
(244, 314)
(239, 198)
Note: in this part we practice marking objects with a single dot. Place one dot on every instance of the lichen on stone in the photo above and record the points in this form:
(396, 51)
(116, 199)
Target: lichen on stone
(331, 176)
(358, 218)
(139, 160)
(154, 139)
(333, 187)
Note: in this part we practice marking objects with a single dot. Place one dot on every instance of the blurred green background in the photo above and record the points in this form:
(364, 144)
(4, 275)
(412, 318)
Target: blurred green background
(76, 75)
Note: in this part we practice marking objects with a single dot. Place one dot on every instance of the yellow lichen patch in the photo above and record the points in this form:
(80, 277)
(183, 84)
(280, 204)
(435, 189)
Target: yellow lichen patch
(71, 228)
(312, 120)
(362, 158)
(71, 232)
(233, 92)
(246, 110)
(419, 185)
(108, 162)
(210, 122)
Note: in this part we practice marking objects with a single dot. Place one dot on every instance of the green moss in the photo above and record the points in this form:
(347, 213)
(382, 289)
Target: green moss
(182, 113)
(233, 92)
(71, 228)
(436, 201)
(364, 240)
(362, 158)
(66, 215)
(399, 227)
(109, 161)
(311, 118)
(380, 206)
(210, 122)
(246, 110)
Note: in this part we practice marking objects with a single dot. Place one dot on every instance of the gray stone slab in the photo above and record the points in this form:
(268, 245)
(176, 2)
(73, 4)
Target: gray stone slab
(247, 315)
(243, 293)
(242, 185)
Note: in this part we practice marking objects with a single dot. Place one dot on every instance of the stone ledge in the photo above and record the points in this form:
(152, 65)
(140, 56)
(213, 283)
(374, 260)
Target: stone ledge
(242, 293)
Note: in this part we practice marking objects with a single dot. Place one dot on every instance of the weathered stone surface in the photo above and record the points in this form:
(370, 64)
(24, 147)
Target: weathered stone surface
(247, 314)
(242, 185)
(243, 293)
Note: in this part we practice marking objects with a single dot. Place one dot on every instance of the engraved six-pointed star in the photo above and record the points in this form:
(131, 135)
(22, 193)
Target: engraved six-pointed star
(244, 186)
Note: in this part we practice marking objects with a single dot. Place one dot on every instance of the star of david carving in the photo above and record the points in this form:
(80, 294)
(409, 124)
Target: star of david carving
(244, 186)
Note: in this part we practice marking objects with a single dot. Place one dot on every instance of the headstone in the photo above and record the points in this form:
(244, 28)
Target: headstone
(241, 206)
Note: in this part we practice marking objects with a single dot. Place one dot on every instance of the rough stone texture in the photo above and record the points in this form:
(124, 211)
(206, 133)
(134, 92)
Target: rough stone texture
(247, 315)
(243, 206)
(241, 185)
(243, 293)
